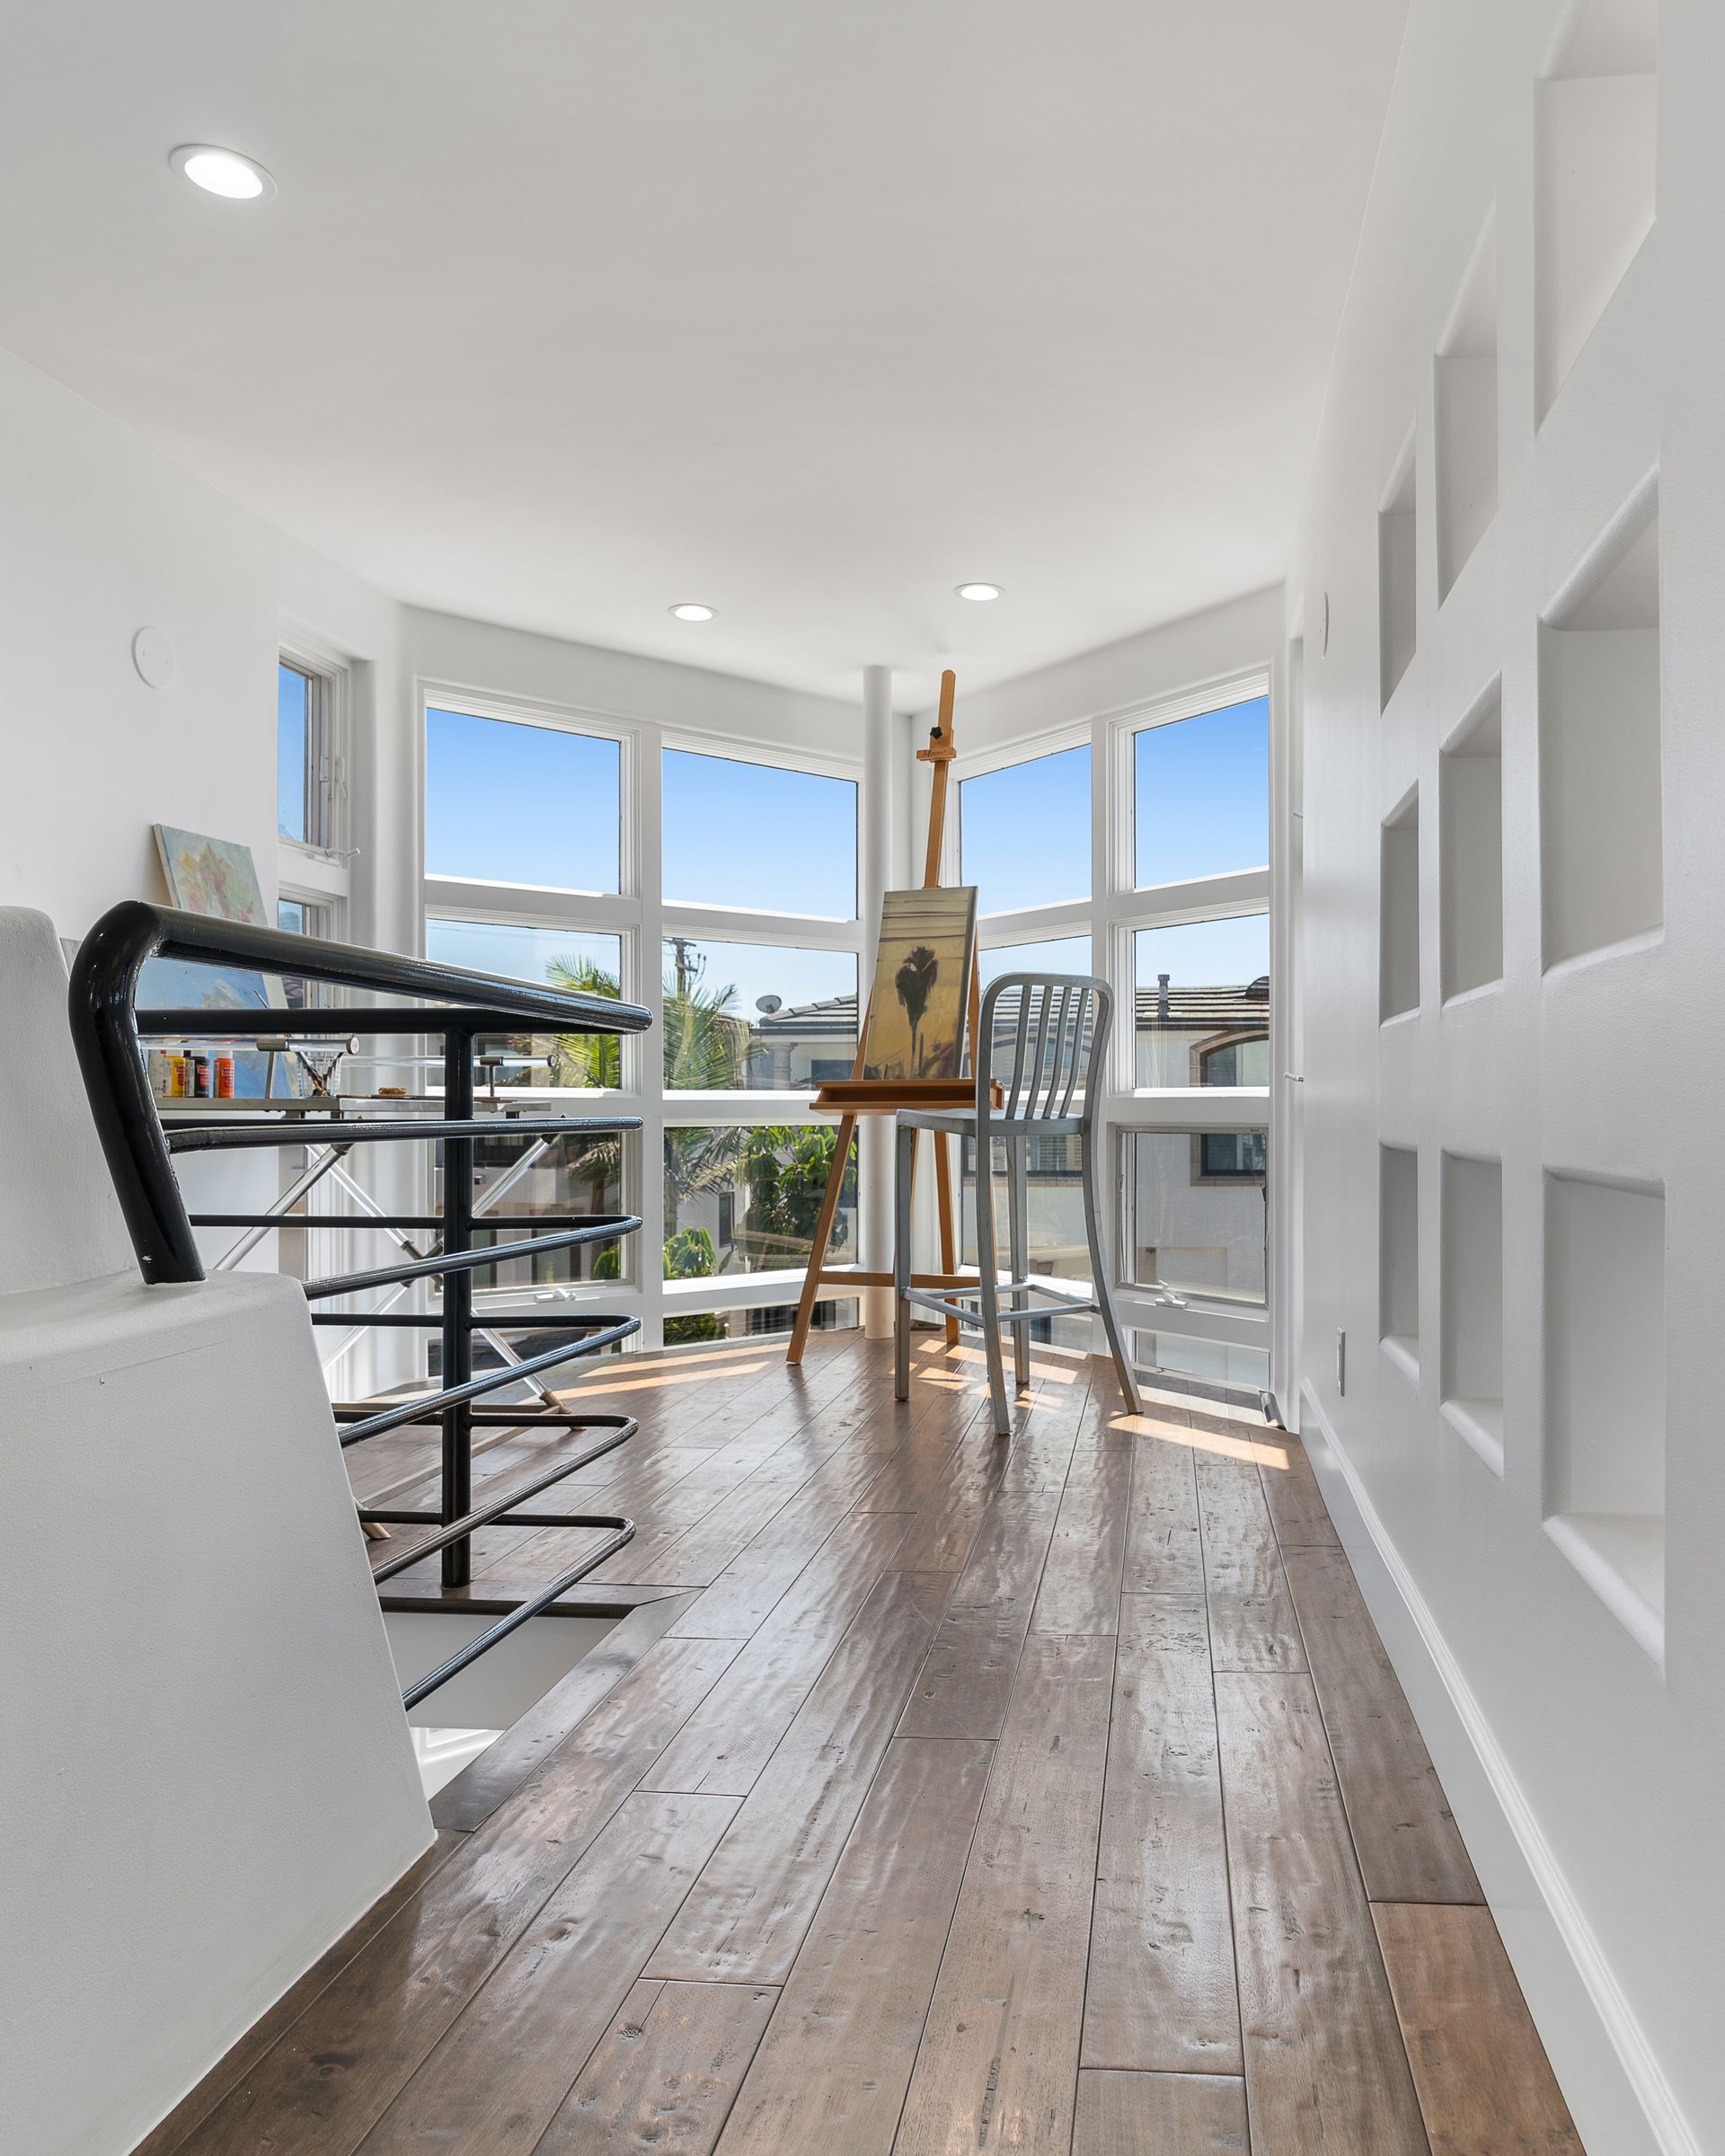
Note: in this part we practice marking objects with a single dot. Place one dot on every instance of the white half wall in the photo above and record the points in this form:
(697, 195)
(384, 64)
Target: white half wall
(1557, 1629)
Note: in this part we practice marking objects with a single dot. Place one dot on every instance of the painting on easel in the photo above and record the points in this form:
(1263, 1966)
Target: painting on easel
(922, 984)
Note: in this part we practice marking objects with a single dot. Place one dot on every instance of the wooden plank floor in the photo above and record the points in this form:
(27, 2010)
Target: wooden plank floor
(936, 1793)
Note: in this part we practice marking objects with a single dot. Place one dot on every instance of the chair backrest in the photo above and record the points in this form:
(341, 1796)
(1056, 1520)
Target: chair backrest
(61, 1222)
(1044, 1035)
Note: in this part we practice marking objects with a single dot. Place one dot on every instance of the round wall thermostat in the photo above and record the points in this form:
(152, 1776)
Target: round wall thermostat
(153, 656)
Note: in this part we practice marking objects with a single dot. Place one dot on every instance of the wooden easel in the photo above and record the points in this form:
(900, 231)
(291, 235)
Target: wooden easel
(857, 1096)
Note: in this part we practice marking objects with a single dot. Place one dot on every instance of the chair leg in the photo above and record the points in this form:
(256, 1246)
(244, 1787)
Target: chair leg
(1018, 1215)
(1102, 1283)
(988, 1284)
(904, 1162)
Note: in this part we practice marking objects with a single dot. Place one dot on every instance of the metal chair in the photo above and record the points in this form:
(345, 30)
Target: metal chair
(1055, 1027)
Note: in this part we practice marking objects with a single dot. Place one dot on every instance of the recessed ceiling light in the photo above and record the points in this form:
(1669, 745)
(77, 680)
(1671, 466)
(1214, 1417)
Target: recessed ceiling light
(979, 592)
(222, 172)
(691, 610)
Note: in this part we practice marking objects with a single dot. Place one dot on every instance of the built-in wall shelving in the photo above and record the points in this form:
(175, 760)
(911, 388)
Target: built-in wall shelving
(1397, 575)
(1599, 744)
(1464, 414)
(1532, 718)
(1472, 1395)
(1596, 141)
(1398, 1256)
(1605, 1390)
(1470, 822)
(1399, 905)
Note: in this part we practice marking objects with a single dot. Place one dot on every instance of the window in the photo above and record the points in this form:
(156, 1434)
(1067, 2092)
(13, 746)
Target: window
(1202, 1003)
(1192, 1231)
(1201, 795)
(743, 1197)
(1024, 833)
(305, 770)
(507, 802)
(755, 838)
(559, 958)
(1232, 1156)
(1059, 954)
(757, 1016)
(307, 918)
(574, 1175)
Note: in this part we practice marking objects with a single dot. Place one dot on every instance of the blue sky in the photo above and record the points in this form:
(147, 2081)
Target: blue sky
(290, 753)
(1201, 805)
(753, 969)
(757, 838)
(1201, 789)
(1024, 833)
(520, 804)
(1204, 954)
(512, 803)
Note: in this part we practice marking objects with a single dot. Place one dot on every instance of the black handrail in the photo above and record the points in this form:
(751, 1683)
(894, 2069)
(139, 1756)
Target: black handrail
(108, 1031)
(105, 1033)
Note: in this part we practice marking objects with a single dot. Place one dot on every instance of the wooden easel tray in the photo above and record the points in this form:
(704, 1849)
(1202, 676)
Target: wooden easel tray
(860, 1096)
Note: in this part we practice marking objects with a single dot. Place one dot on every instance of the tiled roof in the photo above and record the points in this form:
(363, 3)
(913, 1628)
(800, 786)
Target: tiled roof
(1228, 1009)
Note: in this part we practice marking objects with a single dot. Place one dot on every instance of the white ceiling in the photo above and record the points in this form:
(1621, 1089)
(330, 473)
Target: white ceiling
(567, 310)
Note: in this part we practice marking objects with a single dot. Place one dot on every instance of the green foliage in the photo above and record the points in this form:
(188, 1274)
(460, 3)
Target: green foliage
(689, 1255)
(786, 1168)
(585, 1059)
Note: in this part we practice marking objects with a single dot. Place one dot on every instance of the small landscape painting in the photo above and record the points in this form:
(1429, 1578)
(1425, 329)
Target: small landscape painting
(211, 876)
(922, 984)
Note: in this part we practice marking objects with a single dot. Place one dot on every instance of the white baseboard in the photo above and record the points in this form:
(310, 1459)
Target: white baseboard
(1621, 2101)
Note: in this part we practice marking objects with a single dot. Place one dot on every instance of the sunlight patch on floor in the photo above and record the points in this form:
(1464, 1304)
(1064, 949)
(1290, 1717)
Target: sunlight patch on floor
(1203, 1441)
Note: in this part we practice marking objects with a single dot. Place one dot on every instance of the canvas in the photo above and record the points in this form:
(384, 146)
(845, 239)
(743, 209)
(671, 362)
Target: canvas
(211, 876)
(922, 984)
(218, 877)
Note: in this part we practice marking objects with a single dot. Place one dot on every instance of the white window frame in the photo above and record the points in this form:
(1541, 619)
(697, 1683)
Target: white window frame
(1115, 911)
(638, 913)
(320, 869)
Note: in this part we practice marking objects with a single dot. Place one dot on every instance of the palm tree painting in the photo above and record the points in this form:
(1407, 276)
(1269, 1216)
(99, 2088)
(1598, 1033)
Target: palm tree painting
(915, 981)
(922, 978)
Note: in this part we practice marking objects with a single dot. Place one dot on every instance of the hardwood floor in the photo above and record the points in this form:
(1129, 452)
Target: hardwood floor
(936, 1793)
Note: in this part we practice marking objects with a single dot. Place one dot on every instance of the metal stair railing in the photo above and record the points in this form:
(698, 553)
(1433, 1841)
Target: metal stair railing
(108, 1031)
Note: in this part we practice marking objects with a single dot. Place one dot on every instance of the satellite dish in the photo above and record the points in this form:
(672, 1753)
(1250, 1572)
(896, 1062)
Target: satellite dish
(769, 1003)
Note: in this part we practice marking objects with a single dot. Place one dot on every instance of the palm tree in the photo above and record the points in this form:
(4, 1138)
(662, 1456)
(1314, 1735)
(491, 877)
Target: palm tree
(915, 981)
(705, 1045)
(592, 1060)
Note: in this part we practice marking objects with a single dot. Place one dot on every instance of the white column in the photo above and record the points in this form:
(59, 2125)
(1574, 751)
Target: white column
(874, 876)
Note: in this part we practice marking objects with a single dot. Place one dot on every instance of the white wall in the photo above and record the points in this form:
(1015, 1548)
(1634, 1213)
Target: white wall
(1161, 662)
(100, 534)
(1573, 1706)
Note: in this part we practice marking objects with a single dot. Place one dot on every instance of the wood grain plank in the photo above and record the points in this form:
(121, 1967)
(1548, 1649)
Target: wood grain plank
(944, 1530)
(1160, 2114)
(1326, 2074)
(1410, 1847)
(1296, 1506)
(665, 2074)
(1081, 1580)
(494, 2080)
(997, 2065)
(1164, 1552)
(838, 2055)
(964, 1688)
(754, 1901)
(729, 1738)
(1485, 2086)
(1161, 1994)
(1252, 1624)
(475, 1793)
(320, 2090)
(744, 1595)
